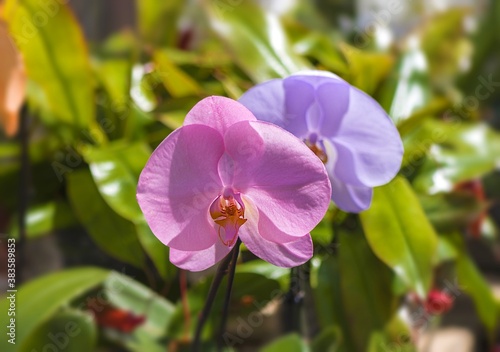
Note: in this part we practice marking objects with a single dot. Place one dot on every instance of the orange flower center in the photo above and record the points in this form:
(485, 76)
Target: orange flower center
(320, 153)
(228, 213)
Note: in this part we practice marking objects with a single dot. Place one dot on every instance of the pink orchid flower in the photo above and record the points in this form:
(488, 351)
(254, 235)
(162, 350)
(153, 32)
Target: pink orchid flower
(224, 175)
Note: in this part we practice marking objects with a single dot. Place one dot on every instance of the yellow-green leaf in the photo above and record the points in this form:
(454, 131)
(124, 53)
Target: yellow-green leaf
(400, 234)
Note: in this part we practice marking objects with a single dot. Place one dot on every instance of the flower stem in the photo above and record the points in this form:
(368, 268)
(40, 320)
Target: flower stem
(219, 275)
(227, 299)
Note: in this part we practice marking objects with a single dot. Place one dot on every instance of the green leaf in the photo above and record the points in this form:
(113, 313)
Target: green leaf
(70, 330)
(320, 47)
(445, 44)
(256, 40)
(158, 21)
(178, 83)
(322, 234)
(473, 283)
(43, 218)
(408, 88)
(115, 170)
(450, 211)
(400, 234)
(112, 233)
(56, 60)
(365, 287)
(173, 119)
(446, 250)
(51, 292)
(269, 271)
(113, 68)
(332, 311)
(460, 151)
(366, 69)
(128, 294)
(328, 340)
(290, 343)
(156, 250)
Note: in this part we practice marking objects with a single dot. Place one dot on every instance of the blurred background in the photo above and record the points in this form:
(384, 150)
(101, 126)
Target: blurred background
(89, 88)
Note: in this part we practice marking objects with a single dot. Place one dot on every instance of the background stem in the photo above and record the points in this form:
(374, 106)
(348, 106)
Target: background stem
(219, 275)
(227, 299)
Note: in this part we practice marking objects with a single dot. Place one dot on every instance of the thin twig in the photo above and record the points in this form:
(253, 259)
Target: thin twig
(185, 303)
(219, 275)
(227, 299)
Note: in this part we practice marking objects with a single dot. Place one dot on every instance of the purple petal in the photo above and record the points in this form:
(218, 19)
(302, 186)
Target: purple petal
(199, 260)
(218, 113)
(178, 184)
(267, 102)
(283, 178)
(333, 98)
(353, 199)
(367, 143)
(299, 98)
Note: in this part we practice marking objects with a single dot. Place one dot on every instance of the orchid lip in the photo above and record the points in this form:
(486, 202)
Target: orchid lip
(228, 212)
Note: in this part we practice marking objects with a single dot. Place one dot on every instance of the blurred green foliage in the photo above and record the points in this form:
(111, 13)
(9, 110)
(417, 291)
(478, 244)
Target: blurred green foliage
(97, 110)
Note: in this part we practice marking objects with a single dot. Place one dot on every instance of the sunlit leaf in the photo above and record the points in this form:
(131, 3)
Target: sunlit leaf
(70, 330)
(111, 232)
(282, 275)
(319, 46)
(366, 69)
(115, 169)
(43, 218)
(56, 60)
(400, 234)
(113, 66)
(444, 42)
(256, 39)
(177, 82)
(473, 283)
(291, 343)
(125, 293)
(12, 83)
(458, 152)
(408, 88)
(51, 292)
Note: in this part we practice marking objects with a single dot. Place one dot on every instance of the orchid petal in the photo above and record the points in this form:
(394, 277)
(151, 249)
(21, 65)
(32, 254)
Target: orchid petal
(365, 137)
(353, 199)
(218, 113)
(267, 102)
(299, 96)
(178, 184)
(367, 142)
(283, 178)
(199, 260)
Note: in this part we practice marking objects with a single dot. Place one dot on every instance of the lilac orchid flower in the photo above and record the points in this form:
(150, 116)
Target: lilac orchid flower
(347, 129)
(224, 175)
